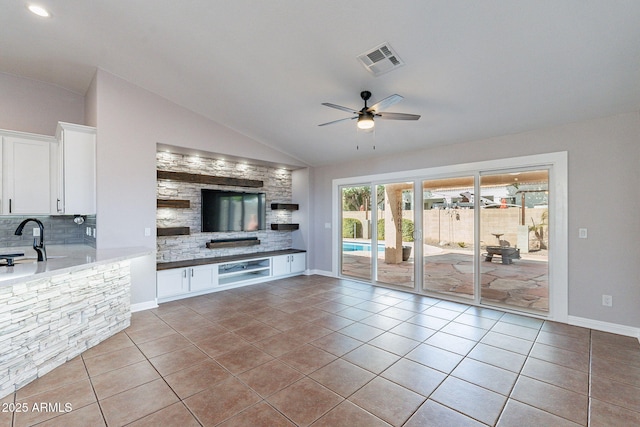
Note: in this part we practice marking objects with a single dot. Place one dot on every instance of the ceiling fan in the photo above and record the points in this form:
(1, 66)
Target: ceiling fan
(366, 114)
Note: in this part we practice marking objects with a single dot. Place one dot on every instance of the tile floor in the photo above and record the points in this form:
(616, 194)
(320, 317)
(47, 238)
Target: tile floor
(328, 352)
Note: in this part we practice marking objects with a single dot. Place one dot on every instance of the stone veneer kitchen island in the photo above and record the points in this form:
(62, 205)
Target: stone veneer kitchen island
(52, 311)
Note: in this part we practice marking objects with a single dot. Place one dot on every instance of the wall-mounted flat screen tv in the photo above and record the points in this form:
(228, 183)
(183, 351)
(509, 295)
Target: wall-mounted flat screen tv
(233, 211)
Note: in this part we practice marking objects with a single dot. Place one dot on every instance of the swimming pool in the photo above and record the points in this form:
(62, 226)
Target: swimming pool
(354, 246)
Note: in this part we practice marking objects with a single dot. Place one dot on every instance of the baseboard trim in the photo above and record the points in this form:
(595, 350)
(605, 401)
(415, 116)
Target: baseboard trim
(319, 273)
(147, 305)
(599, 325)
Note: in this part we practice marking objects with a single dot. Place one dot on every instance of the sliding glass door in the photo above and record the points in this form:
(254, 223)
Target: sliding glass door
(395, 233)
(377, 244)
(448, 236)
(514, 237)
(356, 240)
(482, 233)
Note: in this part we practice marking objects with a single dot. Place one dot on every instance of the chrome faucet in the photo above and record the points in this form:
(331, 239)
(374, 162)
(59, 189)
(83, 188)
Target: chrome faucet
(38, 246)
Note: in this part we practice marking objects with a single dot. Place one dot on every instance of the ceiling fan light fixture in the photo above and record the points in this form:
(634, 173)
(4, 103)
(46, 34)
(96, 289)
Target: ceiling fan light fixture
(365, 121)
(38, 10)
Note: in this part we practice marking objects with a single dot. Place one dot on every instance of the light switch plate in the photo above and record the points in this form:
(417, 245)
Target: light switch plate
(582, 233)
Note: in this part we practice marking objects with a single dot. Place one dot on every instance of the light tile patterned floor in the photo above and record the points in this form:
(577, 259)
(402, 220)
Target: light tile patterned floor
(327, 352)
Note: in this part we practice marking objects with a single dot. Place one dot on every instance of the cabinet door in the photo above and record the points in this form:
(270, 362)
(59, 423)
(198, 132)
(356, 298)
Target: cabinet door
(172, 282)
(280, 265)
(203, 277)
(77, 164)
(298, 262)
(26, 176)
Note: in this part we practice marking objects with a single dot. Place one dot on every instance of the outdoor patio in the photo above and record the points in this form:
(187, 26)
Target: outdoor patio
(524, 283)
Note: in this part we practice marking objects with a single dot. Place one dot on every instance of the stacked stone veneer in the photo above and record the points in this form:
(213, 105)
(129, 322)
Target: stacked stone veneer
(277, 187)
(46, 322)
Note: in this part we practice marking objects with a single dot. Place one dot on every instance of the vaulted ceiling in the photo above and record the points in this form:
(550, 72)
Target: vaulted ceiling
(471, 69)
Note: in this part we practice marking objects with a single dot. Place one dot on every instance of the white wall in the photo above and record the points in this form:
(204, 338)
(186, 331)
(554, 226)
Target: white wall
(604, 196)
(300, 195)
(130, 122)
(31, 106)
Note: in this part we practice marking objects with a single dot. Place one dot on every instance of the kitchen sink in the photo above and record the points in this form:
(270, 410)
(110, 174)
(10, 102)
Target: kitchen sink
(28, 260)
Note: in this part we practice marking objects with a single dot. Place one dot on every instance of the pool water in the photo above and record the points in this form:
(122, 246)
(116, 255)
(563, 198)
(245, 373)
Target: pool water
(352, 246)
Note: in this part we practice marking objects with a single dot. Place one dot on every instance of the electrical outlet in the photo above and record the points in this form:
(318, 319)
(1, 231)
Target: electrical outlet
(147, 232)
(582, 233)
(607, 300)
(88, 231)
(94, 233)
(36, 232)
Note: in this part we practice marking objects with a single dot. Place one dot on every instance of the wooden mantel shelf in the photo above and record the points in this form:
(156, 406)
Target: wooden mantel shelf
(195, 178)
(172, 203)
(173, 231)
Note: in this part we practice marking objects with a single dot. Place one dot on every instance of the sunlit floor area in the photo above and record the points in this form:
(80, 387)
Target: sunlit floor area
(319, 351)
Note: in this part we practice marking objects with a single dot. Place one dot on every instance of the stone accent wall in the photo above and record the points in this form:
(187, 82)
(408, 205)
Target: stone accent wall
(58, 230)
(46, 322)
(277, 187)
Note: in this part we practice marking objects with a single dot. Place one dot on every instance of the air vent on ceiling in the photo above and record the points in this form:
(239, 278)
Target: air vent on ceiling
(380, 59)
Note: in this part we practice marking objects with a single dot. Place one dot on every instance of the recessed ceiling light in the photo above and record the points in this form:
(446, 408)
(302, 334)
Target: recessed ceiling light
(39, 10)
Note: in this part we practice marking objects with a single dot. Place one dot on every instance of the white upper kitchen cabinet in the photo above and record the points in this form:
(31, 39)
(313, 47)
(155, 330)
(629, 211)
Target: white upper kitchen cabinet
(76, 175)
(26, 173)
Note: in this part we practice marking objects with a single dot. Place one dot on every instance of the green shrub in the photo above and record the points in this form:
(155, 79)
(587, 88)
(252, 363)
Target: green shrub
(348, 227)
(407, 230)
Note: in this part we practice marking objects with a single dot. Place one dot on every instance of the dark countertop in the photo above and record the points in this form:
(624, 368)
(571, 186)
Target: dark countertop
(223, 259)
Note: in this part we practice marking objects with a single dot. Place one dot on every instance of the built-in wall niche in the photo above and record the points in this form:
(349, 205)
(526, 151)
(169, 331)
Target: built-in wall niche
(284, 226)
(179, 206)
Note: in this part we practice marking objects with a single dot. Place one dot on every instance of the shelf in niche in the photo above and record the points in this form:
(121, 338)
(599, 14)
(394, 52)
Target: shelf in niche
(173, 231)
(285, 227)
(171, 203)
(285, 206)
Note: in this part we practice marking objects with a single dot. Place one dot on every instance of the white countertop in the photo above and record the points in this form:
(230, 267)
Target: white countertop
(61, 259)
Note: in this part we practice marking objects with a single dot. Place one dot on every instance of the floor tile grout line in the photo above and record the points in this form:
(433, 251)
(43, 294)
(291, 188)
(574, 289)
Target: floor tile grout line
(518, 378)
(264, 399)
(163, 379)
(94, 391)
(195, 308)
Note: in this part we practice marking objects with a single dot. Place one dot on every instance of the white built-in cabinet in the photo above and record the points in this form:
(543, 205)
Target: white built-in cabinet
(26, 173)
(75, 170)
(289, 264)
(176, 283)
(46, 175)
(182, 281)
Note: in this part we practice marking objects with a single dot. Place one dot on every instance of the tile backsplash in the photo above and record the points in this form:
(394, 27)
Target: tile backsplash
(58, 230)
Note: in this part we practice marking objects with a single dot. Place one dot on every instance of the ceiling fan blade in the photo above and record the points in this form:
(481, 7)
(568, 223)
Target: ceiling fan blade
(340, 107)
(386, 103)
(398, 116)
(339, 120)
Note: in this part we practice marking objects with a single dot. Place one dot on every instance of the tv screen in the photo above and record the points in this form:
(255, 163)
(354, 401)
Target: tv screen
(233, 211)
